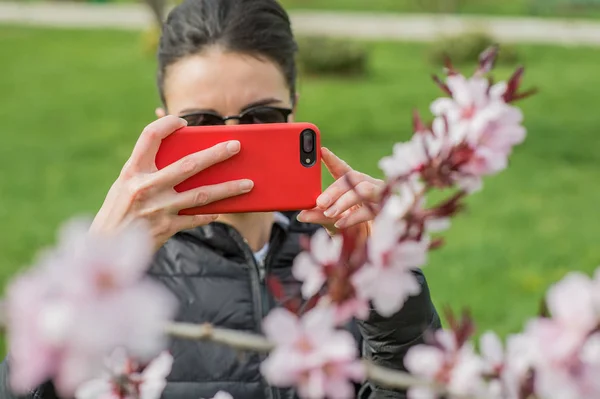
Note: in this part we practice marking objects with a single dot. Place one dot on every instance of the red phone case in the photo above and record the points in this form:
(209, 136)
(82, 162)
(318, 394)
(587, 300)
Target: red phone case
(270, 156)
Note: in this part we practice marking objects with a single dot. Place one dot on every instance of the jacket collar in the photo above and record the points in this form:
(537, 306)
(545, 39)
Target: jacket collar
(219, 237)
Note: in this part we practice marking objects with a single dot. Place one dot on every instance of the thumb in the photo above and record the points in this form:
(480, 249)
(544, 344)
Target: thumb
(336, 167)
(160, 112)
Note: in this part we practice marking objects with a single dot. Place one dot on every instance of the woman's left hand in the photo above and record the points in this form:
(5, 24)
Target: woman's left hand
(346, 202)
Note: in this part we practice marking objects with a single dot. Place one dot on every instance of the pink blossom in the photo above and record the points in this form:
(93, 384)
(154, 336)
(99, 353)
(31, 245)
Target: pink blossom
(478, 116)
(559, 348)
(491, 352)
(468, 97)
(121, 380)
(493, 133)
(357, 307)
(309, 267)
(505, 371)
(61, 313)
(387, 279)
(573, 378)
(311, 354)
(410, 156)
(458, 369)
(571, 304)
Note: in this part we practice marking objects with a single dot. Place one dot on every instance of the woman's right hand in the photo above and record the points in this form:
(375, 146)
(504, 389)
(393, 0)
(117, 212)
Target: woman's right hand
(142, 192)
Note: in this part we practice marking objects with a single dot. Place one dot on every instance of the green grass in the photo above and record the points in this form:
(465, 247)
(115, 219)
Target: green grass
(72, 104)
(541, 8)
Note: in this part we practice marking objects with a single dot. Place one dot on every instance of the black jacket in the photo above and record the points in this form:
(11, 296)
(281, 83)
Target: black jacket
(216, 278)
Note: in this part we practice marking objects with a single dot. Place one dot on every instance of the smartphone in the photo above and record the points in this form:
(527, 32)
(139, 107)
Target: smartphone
(283, 160)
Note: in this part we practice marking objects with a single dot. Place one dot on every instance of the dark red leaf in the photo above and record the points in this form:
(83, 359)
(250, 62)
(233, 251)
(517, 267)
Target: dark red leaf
(448, 67)
(293, 305)
(467, 329)
(442, 85)
(527, 389)
(511, 94)
(311, 303)
(448, 207)
(305, 242)
(436, 243)
(275, 287)
(463, 329)
(487, 59)
(544, 312)
(525, 94)
(418, 125)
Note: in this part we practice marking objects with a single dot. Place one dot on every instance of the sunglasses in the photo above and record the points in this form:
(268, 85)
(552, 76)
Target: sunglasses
(256, 115)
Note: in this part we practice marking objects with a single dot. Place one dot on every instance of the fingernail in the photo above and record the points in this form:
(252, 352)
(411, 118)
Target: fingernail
(340, 224)
(301, 218)
(331, 212)
(183, 121)
(246, 185)
(233, 147)
(323, 201)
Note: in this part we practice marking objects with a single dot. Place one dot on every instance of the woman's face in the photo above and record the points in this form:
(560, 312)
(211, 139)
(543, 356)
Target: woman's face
(225, 83)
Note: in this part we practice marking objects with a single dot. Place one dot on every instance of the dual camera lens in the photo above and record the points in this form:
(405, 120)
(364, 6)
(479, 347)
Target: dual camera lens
(308, 153)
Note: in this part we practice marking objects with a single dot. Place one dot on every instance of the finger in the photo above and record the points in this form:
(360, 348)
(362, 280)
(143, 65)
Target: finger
(360, 215)
(160, 112)
(146, 148)
(314, 216)
(336, 167)
(194, 163)
(190, 222)
(363, 192)
(339, 187)
(207, 194)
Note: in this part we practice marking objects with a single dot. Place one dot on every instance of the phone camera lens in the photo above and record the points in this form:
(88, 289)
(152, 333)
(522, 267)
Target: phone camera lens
(308, 142)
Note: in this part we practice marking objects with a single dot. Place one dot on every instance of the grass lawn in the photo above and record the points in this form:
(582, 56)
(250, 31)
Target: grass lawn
(586, 9)
(72, 105)
(542, 8)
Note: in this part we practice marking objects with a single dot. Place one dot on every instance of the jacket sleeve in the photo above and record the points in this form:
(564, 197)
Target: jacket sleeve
(387, 340)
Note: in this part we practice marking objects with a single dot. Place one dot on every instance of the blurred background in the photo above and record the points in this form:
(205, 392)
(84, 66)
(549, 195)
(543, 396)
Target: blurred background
(74, 96)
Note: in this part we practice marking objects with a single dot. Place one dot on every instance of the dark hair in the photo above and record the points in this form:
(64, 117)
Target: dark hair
(259, 28)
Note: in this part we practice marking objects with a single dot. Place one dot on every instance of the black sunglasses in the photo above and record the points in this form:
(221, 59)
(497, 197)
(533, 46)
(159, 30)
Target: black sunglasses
(256, 115)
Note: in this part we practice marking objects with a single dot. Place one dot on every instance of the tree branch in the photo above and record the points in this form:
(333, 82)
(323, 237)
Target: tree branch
(249, 341)
(207, 332)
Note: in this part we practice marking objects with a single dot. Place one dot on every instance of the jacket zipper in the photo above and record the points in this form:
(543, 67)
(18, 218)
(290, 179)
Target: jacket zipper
(259, 289)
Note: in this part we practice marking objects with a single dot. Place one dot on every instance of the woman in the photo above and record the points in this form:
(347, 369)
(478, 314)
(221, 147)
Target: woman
(219, 58)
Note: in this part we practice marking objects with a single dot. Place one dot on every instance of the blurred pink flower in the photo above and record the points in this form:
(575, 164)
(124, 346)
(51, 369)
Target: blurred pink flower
(572, 378)
(492, 135)
(478, 116)
(505, 372)
(122, 380)
(458, 369)
(408, 157)
(469, 96)
(61, 313)
(386, 278)
(311, 354)
(561, 352)
(492, 353)
(309, 266)
(572, 307)
(357, 307)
